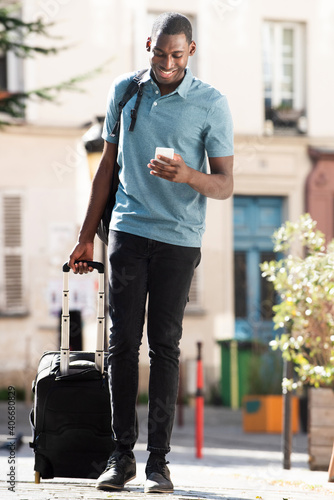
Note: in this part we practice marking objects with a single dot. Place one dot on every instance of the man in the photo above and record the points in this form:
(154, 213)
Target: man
(155, 234)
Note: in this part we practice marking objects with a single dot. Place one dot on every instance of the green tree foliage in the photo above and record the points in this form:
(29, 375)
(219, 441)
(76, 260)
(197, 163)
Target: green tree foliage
(15, 35)
(304, 280)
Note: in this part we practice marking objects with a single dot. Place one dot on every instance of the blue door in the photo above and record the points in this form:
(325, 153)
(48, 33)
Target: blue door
(255, 220)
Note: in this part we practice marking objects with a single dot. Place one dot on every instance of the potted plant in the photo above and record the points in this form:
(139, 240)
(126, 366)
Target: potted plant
(263, 405)
(286, 113)
(304, 282)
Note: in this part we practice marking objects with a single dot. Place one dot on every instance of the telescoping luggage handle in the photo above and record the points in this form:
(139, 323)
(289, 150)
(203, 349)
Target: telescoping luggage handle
(65, 320)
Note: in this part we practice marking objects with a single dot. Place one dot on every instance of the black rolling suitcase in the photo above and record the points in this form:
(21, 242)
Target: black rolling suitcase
(70, 419)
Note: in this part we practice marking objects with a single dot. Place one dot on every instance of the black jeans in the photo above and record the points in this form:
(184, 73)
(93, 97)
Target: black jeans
(141, 268)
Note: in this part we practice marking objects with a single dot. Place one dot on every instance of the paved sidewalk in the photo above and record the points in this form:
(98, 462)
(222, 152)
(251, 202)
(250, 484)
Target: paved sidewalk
(235, 465)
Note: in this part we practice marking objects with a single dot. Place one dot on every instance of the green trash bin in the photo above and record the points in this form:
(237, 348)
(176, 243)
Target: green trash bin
(244, 351)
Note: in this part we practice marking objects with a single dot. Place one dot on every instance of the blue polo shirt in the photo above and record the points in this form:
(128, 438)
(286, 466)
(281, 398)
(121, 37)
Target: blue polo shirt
(195, 120)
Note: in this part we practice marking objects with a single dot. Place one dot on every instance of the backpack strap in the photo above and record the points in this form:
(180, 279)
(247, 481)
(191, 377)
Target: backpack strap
(134, 86)
(135, 109)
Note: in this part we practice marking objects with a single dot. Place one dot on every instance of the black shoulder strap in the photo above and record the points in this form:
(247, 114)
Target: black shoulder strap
(134, 86)
(135, 109)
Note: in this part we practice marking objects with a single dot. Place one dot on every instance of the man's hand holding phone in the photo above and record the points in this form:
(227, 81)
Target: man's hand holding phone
(167, 152)
(170, 166)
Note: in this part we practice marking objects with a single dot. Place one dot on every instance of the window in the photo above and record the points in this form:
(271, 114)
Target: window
(284, 74)
(11, 254)
(3, 72)
(11, 65)
(240, 284)
(268, 296)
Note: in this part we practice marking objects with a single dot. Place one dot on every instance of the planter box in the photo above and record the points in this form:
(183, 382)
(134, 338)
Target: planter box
(265, 414)
(320, 427)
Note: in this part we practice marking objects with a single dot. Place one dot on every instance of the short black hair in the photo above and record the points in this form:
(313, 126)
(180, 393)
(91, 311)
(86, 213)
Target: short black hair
(172, 23)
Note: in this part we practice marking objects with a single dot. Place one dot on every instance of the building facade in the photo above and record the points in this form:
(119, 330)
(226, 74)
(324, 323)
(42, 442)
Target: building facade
(271, 59)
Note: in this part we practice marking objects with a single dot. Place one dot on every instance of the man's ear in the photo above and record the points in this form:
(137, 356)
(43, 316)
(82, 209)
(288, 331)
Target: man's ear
(148, 44)
(192, 48)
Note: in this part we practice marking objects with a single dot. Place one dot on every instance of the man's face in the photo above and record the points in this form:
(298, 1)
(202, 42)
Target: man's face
(168, 58)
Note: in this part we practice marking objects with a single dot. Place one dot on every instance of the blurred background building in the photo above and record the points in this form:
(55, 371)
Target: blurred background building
(273, 60)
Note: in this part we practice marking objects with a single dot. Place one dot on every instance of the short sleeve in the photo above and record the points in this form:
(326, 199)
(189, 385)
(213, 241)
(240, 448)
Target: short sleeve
(218, 130)
(111, 116)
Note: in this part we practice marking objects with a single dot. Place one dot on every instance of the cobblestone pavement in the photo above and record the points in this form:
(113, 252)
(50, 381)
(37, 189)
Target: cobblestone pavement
(235, 465)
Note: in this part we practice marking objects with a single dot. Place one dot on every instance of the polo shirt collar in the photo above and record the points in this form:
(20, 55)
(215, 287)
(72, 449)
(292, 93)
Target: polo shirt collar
(184, 86)
(147, 76)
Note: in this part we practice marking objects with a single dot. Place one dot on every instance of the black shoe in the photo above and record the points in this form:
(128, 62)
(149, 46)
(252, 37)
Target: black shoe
(158, 477)
(120, 469)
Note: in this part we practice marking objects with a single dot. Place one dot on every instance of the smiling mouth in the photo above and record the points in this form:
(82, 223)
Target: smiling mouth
(166, 73)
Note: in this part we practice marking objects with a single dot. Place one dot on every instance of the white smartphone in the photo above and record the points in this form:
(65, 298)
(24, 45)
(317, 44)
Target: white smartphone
(168, 152)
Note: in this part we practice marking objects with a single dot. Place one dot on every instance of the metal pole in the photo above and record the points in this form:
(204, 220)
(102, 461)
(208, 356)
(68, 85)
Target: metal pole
(234, 375)
(331, 468)
(199, 403)
(180, 419)
(105, 261)
(287, 423)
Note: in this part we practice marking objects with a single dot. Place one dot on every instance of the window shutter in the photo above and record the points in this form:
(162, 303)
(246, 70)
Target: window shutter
(12, 296)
